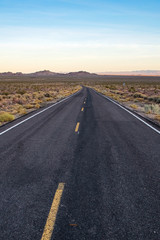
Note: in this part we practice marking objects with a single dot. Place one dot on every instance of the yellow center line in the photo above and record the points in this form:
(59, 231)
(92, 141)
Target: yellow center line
(77, 127)
(82, 109)
(49, 227)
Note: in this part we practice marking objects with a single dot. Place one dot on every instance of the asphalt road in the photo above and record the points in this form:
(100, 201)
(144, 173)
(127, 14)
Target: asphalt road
(108, 160)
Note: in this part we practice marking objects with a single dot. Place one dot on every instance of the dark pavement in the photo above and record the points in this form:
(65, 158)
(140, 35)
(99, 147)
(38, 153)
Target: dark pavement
(110, 167)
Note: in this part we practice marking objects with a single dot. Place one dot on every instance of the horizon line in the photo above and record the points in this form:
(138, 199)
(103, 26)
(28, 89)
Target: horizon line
(105, 73)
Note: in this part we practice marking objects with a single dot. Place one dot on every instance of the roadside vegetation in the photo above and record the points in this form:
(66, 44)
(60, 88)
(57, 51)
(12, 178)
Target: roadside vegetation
(19, 98)
(20, 95)
(143, 98)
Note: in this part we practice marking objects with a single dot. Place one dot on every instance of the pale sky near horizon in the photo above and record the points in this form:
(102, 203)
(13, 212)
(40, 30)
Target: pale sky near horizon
(73, 35)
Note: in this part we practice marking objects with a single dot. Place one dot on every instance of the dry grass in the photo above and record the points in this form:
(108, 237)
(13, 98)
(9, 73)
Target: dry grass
(19, 98)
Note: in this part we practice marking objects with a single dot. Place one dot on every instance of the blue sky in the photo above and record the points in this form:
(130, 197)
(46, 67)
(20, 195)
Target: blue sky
(72, 35)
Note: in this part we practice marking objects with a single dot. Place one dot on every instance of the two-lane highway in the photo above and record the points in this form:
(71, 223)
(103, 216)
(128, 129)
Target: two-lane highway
(84, 169)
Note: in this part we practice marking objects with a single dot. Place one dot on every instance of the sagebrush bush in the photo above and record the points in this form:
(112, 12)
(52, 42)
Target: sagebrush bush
(139, 95)
(155, 108)
(155, 99)
(6, 117)
(147, 108)
(131, 89)
(134, 106)
(152, 108)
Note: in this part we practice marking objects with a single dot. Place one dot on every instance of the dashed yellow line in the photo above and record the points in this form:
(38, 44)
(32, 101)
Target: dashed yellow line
(77, 127)
(82, 109)
(49, 227)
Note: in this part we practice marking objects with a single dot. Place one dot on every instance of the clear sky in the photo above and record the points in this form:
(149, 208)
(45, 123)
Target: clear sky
(72, 35)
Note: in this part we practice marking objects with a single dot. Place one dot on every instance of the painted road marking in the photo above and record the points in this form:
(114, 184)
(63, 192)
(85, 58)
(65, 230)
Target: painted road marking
(73, 225)
(77, 127)
(49, 227)
(82, 109)
(38, 113)
(111, 100)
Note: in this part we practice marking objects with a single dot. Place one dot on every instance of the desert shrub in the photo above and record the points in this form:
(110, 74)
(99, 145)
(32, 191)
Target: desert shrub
(21, 92)
(57, 90)
(147, 108)
(138, 100)
(134, 106)
(139, 95)
(47, 95)
(157, 117)
(18, 100)
(5, 93)
(128, 99)
(117, 98)
(22, 111)
(112, 87)
(28, 106)
(119, 92)
(14, 111)
(150, 98)
(27, 96)
(156, 99)
(155, 108)
(37, 106)
(152, 108)
(49, 99)
(131, 89)
(6, 117)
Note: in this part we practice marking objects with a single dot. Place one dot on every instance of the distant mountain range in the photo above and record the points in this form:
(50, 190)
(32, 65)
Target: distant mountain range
(134, 73)
(48, 73)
